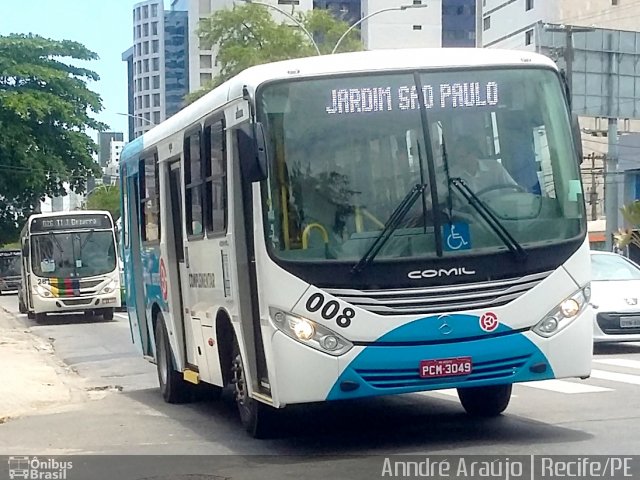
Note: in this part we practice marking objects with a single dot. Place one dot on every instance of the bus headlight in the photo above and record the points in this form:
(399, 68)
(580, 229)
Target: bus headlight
(109, 287)
(563, 314)
(310, 333)
(43, 291)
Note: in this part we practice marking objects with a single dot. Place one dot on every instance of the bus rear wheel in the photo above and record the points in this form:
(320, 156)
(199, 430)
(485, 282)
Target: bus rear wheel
(107, 314)
(488, 401)
(172, 386)
(256, 417)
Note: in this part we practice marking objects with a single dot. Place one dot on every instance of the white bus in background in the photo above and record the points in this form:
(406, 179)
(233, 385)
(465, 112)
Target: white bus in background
(302, 233)
(69, 264)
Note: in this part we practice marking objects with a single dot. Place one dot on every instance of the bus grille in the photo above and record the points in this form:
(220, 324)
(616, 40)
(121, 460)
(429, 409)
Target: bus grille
(410, 378)
(74, 302)
(452, 298)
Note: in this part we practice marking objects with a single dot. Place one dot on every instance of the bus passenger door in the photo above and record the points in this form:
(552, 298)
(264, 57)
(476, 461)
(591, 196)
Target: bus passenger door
(177, 254)
(135, 239)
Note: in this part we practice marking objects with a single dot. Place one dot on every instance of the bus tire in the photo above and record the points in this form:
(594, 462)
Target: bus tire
(172, 386)
(488, 401)
(256, 417)
(107, 314)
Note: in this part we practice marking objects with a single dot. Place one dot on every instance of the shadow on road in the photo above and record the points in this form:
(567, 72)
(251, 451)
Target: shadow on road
(397, 424)
(615, 348)
(68, 319)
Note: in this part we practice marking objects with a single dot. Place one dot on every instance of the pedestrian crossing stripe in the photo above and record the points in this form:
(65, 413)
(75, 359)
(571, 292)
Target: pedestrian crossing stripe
(619, 362)
(616, 377)
(562, 386)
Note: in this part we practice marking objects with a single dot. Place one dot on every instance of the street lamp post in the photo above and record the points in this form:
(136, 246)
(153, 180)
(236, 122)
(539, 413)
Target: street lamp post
(401, 7)
(290, 17)
(137, 116)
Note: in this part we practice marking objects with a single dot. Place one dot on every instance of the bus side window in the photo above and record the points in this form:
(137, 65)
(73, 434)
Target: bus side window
(193, 184)
(215, 181)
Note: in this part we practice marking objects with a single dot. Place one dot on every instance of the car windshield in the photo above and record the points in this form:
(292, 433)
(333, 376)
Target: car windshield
(345, 151)
(613, 267)
(73, 254)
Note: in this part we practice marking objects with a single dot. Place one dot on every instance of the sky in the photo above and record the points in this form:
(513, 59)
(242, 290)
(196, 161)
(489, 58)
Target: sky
(103, 26)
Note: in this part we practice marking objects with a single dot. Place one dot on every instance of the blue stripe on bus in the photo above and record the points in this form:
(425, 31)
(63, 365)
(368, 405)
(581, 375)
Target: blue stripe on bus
(382, 369)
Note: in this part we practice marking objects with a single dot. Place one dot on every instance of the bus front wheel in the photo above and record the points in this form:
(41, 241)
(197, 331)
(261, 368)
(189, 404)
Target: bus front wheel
(488, 401)
(256, 417)
(172, 387)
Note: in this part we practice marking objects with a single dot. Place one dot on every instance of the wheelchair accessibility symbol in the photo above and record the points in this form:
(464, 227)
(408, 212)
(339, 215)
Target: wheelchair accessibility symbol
(456, 237)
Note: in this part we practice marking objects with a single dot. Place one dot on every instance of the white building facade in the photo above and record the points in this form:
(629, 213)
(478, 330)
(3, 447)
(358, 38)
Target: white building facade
(513, 23)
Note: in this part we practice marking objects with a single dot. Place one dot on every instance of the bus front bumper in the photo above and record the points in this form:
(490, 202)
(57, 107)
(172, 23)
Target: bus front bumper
(76, 304)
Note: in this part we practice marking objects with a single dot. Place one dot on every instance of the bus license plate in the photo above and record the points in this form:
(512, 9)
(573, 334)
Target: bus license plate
(445, 367)
(629, 322)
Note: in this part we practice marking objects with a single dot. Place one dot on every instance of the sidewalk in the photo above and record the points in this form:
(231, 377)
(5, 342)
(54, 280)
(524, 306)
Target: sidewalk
(32, 379)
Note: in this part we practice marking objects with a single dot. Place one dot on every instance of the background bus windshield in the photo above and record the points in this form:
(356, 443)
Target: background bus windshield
(73, 254)
(346, 151)
(10, 265)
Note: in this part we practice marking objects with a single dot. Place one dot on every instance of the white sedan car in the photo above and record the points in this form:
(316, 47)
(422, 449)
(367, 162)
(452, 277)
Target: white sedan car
(615, 296)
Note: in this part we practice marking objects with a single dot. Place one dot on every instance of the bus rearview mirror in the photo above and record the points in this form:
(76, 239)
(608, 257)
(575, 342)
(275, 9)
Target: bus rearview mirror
(577, 137)
(252, 147)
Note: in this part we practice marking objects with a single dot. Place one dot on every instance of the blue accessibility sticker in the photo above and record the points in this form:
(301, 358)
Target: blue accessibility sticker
(456, 236)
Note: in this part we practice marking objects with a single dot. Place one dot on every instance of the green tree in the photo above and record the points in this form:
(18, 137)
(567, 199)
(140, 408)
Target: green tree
(45, 108)
(247, 35)
(105, 197)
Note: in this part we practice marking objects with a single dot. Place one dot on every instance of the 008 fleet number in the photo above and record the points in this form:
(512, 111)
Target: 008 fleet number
(330, 310)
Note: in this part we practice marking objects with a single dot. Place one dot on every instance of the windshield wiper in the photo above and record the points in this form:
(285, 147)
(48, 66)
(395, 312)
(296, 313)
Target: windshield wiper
(490, 218)
(390, 226)
(57, 242)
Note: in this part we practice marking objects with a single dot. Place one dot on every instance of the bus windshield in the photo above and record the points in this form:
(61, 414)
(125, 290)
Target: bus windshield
(73, 254)
(9, 264)
(345, 151)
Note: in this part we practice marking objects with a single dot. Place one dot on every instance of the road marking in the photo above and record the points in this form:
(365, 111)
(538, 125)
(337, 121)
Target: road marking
(616, 377)
(620, 362)
(562, 386)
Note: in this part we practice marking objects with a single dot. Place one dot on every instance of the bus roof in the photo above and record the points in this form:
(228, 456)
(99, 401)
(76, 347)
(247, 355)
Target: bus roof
(343, 63)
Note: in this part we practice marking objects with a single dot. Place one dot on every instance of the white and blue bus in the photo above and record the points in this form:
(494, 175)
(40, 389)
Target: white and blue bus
(305, 232)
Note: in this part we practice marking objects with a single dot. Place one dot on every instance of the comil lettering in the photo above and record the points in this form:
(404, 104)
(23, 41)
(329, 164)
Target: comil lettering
(442, 272)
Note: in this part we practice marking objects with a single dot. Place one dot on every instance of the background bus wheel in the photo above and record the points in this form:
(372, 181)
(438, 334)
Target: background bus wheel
(485, 401)
(255, 416)
(172, 386)
(107, 314)
(40, 317)
(21, 307)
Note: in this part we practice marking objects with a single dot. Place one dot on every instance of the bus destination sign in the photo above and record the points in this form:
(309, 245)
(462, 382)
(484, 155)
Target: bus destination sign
(70, 222)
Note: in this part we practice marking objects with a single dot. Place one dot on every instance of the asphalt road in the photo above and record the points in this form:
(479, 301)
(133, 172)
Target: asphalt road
(600, 415)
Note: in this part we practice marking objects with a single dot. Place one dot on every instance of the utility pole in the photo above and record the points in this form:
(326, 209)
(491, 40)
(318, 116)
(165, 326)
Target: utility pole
(593, 195)
(611, 200)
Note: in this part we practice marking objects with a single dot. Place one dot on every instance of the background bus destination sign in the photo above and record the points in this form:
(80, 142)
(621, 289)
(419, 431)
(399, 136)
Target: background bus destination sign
(66, 222)
(387, 99)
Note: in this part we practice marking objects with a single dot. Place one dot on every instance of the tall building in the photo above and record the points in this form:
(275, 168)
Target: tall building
(458, 23)
(159, 63)
(348, 10)
(105, 146)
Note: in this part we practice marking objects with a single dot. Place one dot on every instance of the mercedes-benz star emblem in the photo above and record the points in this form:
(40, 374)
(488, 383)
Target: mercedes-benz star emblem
(445, 328)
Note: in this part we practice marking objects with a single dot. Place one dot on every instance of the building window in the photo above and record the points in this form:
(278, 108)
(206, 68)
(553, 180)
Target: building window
(145, 48)
(147, 102)
(417, 27)
(154, 28)
(145, 29)
(146, 65)
(205, 78)
(138, 31)
(145, 82)
(193, 185)
(139, 67)
(528, 37)
(215, 178)
(529, 5)
(138, 14)
(486, 23)
(154, 10)
(156, 64)
(150, 201)
(156, 118)
(156, 81)
(155, 46)
(205, 61)
(417, 2)
(156, 99)
(288, 2)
